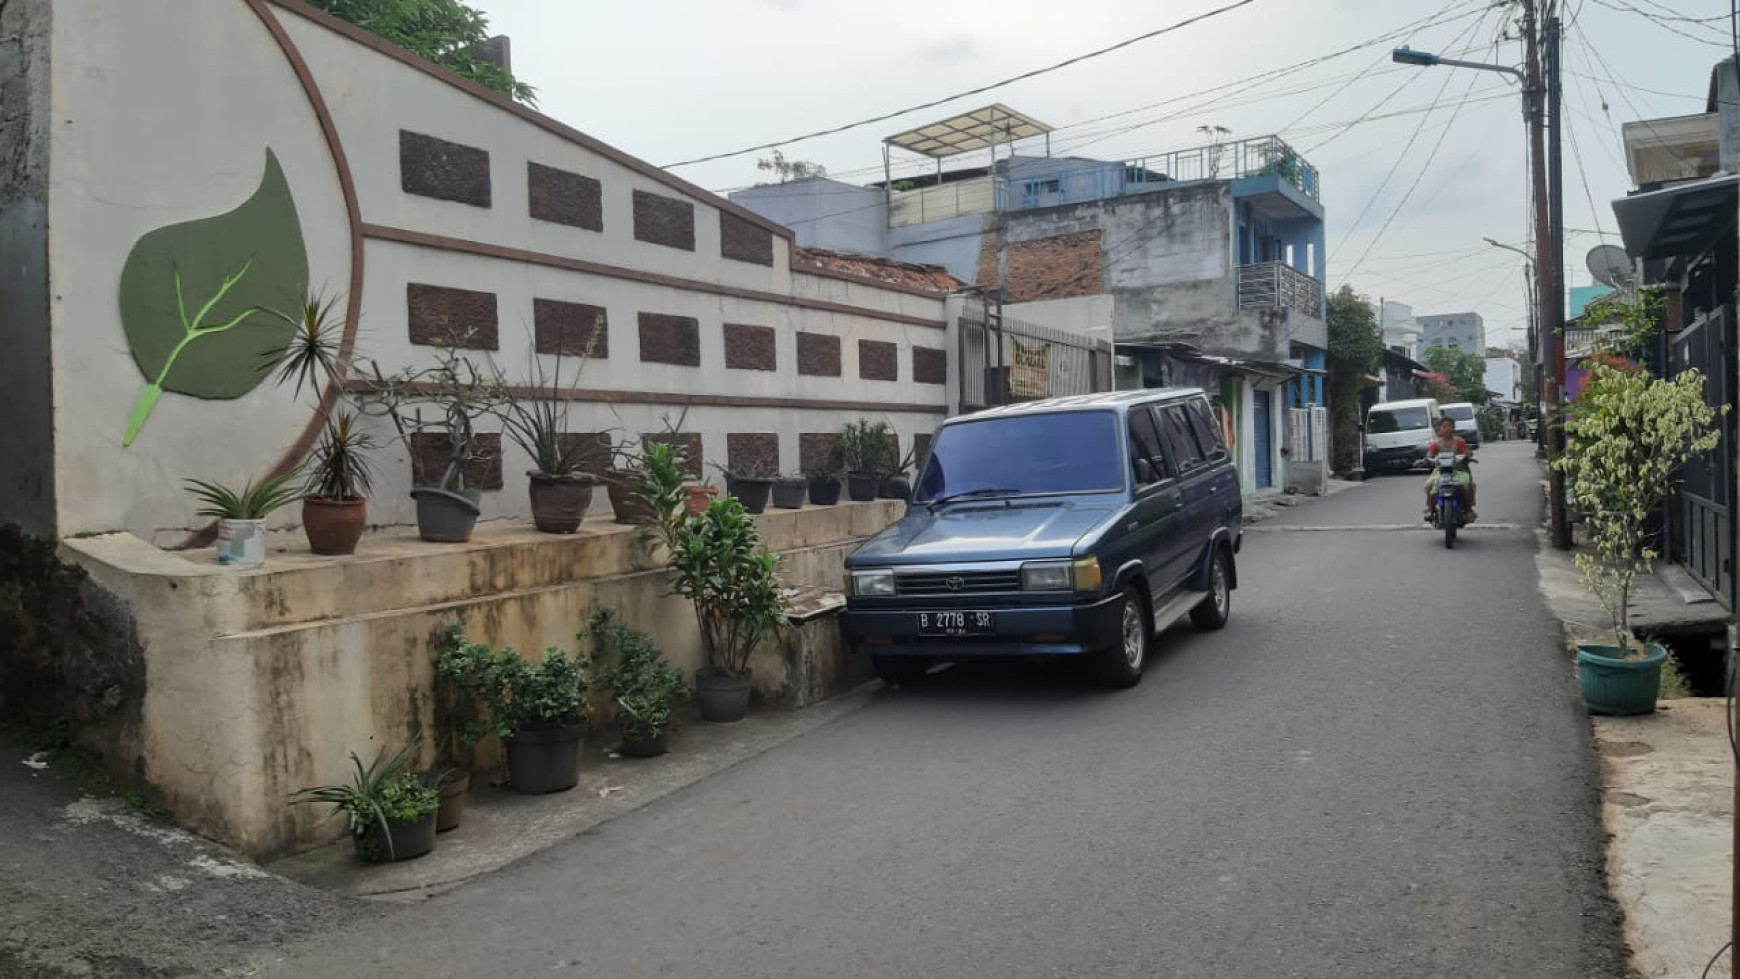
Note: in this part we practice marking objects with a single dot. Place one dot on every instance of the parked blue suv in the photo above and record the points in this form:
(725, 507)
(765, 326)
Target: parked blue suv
(1079, 526)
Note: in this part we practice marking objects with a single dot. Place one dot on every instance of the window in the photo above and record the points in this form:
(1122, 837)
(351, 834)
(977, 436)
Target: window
(1025, 455)
(1396, 420)
(1180, 443)
(1145, 444)
(1037, 187)
(1207, 429)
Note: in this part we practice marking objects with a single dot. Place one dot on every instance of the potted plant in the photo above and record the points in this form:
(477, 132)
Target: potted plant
(750, 483)
(790, 490)
(1629, 435)
(718, 563)
(824, 481)
(457, 393)
(241, 516)
(561, 489)
(894, 484)
(538, 710)
(626, 480)
(863, 444)
(335, 498)
(451, 786)
(388, 810)
(645, 688)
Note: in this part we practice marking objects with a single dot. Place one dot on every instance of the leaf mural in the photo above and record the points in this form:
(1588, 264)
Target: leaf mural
(193, 298)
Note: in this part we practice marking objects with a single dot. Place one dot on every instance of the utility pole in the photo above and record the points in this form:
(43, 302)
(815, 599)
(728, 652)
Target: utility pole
(1543, 92)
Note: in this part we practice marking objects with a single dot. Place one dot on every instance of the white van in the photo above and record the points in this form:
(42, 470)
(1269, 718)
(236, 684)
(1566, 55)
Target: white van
(1467, 423)
(1396, 433)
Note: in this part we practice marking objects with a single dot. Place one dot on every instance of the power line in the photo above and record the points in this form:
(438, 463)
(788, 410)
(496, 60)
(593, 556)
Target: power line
(1199, 18)
(1658, 21)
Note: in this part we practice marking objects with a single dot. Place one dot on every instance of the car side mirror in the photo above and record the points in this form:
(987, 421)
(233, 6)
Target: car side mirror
(1144, 471)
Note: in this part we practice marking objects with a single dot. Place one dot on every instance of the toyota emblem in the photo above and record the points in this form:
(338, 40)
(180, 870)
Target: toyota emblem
(955, 583)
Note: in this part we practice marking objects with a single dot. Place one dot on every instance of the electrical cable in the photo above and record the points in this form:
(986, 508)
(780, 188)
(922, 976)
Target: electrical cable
(1658, 21)
(1170, 28)
(1716, 958)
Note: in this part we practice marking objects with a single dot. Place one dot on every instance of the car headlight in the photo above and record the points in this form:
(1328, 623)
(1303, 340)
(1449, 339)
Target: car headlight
(1082, 574)
(872, 584)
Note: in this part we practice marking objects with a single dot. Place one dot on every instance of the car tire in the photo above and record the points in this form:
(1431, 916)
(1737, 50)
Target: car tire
(1121, 665)
(901, 671)
(1212, 612)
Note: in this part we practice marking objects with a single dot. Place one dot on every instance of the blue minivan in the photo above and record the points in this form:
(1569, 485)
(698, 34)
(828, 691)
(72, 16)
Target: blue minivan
(1080, 526)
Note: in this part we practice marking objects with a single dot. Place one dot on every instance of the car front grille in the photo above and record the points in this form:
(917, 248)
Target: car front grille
(958, 582)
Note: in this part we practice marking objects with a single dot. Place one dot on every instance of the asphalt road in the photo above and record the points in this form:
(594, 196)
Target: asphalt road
(1379, 768)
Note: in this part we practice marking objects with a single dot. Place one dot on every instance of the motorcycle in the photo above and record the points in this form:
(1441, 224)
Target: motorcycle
(1447, 498)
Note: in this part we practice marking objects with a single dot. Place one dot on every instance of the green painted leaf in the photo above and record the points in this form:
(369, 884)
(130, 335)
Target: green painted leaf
(192, 297)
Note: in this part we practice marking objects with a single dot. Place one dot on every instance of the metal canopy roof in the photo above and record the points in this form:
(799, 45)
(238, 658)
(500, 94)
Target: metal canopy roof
(1676, 221)
(969, 131)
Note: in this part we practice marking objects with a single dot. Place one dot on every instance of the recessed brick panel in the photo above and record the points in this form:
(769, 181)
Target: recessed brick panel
(755, 451)
(687, 442)
(565, 198)
(433, 167)
(878, 360)
(1059, 267)
(429, 451)
(750, 348)
(930, 365)
(567, 328)
(744, 241)
(818, 354)
(664, 221)
(595, 453)
(668, 339)
(458, 317)
(818, 450)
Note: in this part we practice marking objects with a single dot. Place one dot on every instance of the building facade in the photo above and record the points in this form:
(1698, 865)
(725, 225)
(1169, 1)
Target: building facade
(1458, 331)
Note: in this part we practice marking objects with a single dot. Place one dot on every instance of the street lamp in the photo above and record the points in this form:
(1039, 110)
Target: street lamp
(1425, 59)
(1534, 339)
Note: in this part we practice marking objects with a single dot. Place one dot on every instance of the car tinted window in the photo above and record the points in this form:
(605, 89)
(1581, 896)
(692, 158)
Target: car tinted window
(1063, 452)
(1397, 420)
(1180, 443)
(1207, 429)
(1145, 444)
(1460, 414)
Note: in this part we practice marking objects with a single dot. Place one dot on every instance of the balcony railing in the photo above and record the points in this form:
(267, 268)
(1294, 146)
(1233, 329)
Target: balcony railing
(1269, 156)
(1277, 285)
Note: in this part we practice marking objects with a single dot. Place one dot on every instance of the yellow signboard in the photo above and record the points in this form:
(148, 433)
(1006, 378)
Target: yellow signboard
(1030, 370)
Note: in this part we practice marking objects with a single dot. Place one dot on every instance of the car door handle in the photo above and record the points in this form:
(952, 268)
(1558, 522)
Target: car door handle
(1132, 525)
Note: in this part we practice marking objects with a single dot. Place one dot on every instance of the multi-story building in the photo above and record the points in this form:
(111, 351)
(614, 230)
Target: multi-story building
(1401, 331)
(1212, 259)
(1458, 331)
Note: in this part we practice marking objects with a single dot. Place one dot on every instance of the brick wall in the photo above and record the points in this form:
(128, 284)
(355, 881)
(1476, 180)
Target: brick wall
(1059, 267)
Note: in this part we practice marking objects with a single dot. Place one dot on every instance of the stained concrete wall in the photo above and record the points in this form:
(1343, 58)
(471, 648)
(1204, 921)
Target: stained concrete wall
(116, 174)
(262, 682)
(26, 385)
(952, 243)
(824, 213)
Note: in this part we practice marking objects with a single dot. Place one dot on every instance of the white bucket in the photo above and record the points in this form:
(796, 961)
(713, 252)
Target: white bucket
(241, 543)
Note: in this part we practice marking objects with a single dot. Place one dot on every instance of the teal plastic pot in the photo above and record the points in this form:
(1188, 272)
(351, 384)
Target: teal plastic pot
(1618, 686)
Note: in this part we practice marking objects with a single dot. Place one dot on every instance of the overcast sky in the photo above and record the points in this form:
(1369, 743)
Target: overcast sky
(673, 81)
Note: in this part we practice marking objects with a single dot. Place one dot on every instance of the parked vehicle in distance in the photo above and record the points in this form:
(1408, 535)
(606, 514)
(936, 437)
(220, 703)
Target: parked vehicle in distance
(1467, 425)
(1396, 433)
(1080, 526)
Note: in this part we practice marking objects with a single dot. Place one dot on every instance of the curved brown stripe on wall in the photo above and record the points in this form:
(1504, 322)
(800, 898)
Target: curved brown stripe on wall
(353, 213)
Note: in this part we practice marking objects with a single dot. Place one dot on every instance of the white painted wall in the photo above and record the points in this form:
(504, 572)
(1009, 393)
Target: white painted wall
(1504, 378)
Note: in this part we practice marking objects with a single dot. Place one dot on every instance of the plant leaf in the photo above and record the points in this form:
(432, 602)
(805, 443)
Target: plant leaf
(192, 296)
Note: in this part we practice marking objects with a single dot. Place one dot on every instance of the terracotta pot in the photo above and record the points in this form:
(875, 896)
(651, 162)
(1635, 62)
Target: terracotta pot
(701, 497)
(334, 526)
(452, 810)
(559, 503)
(626, 504)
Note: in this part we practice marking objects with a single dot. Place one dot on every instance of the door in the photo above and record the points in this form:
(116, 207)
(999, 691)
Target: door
(1151, 530)
(1261, 439)
(1191, 471)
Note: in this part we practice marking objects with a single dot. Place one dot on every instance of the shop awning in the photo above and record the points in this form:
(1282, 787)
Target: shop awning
(1677, 221)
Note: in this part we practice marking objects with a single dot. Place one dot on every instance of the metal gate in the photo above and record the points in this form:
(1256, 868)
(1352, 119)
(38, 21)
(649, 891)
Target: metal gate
(1702, 520)
(1005, 360)
(1261, 438)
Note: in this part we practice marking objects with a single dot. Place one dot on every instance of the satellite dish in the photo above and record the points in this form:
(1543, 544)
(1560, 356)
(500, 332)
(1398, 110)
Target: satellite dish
(1610, 266)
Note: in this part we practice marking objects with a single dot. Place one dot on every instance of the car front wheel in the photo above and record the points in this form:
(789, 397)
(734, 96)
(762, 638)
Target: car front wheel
(1121, 665)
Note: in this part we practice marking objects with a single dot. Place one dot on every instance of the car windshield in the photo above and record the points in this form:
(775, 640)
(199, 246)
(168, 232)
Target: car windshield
(1396, 420)
(1461, 414)
(1023, 455)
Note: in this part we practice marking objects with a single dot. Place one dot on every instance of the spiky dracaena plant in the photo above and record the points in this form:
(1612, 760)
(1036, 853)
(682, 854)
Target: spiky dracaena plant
(1629, 436)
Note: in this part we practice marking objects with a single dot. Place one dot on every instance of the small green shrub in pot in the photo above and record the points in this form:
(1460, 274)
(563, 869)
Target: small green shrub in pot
(718, 563)
(645, 687)
(241, 514)
(537, 710)
(863, 453)
(389, 811)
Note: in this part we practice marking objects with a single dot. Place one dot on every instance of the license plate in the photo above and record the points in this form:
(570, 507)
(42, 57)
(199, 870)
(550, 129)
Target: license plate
(956, 623)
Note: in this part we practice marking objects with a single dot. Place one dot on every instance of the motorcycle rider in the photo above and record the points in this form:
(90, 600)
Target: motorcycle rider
(1448, 441)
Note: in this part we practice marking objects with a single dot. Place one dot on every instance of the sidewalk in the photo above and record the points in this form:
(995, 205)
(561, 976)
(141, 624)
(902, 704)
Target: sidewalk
(1667, 785)
(1265, 505)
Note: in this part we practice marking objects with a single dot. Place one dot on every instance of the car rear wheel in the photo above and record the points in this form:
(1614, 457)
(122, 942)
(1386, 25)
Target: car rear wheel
(1121, 665)
(901, 671)
(1212, 612)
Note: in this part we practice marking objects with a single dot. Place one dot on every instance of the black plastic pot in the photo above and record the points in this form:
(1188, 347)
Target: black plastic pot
(896, 488)
(651, 747)
(446, 516)
(722, 698)
(559, 503)
(862, 487)
(545, 761)
(825, 492)
(752, 493)
(788, 494)
(408, 840)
